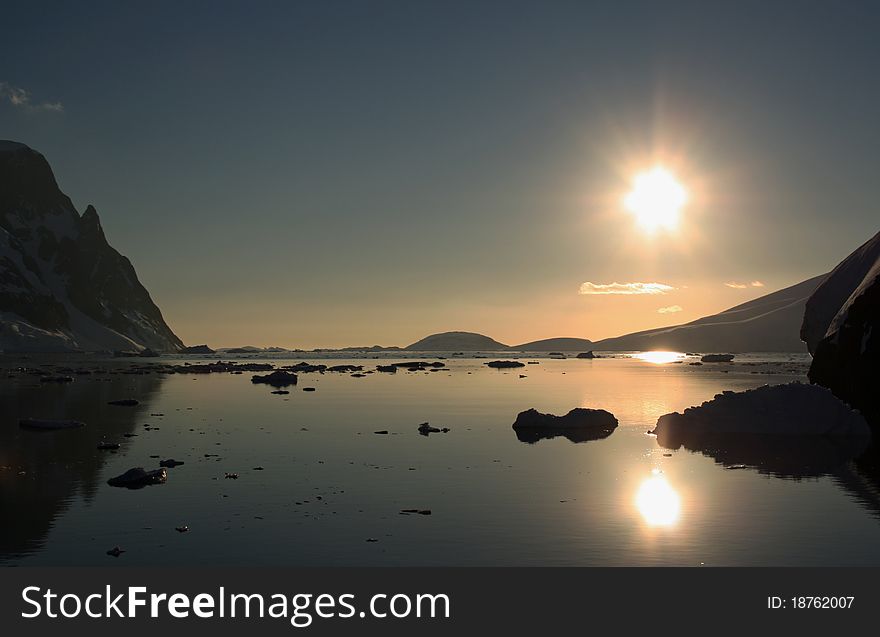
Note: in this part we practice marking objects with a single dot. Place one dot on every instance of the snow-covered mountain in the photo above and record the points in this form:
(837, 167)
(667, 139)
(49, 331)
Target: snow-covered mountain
(767, 324)
(62, 287)
(842, 329)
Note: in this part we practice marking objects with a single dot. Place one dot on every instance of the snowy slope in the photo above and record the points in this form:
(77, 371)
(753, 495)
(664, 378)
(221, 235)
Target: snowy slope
(767, 324)
(62, 287)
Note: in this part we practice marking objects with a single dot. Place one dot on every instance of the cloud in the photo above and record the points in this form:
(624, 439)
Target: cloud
(21, 98)
(671, 309)
(624, 288)
(736, 285)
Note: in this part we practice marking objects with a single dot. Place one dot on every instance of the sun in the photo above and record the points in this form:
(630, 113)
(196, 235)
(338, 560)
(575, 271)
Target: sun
(656, 199)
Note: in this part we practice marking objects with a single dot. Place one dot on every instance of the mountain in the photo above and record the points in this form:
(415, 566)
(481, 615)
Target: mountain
(62, 287)
(472, 342)
(565, 344)
(829, 299)
(841, 327)
(767, 324)
(456, 341)
(253, 349)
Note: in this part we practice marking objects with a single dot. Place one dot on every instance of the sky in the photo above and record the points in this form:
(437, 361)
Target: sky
(322, 174)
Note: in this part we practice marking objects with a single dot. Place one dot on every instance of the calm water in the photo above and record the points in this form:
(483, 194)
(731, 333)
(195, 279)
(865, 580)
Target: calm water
(328, 483)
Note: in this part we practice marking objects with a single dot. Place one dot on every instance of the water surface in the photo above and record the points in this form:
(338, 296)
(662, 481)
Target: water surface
(316, 483)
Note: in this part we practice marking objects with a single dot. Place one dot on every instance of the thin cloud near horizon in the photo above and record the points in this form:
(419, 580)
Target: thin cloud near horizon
(736, 285)
(21, 98)
(590, 288)
(671, 309)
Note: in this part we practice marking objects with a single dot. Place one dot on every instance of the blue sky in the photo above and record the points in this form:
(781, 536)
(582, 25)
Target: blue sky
(337, 173)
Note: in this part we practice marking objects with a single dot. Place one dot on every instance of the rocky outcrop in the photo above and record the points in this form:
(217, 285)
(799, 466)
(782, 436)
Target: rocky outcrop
(197, 349)
(578, 425)
(795, 409)
(138, 478)
(841, 327)
(793, 431)
(504, 364)
(577, 418)
(306, 368)
(62, 286)
(278, 378)
(717, 358)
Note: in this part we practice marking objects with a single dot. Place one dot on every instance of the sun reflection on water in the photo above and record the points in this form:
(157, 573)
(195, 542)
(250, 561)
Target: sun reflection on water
(657, 501)
(659, 358)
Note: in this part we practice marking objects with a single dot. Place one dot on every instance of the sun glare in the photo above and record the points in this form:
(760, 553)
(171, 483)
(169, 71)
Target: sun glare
(659, 358)
(658, 502)
(656, 199)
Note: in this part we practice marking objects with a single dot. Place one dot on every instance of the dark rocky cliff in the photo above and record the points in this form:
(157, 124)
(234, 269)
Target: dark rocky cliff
(62, 286)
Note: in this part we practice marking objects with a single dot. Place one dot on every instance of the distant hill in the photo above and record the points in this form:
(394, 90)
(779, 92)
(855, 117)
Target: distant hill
(770, 323)
(252, 349)
(457, 341)
(565, 344)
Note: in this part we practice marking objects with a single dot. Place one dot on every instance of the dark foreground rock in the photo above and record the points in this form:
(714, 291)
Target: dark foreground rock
(795, 409)
(578, 425)
(278, 378)
(125, 402)
(587, 355)
(791, 431)
(426, 429)
(219, 367)
(139, 477)
(717, 358)
(306, 368)
(577, 418)
(504, 364)
(842, 330)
